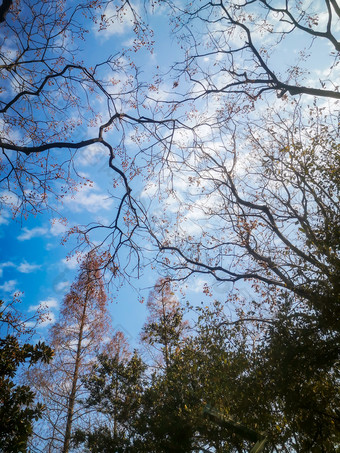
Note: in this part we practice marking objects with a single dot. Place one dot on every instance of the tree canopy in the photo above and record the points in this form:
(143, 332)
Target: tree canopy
(224, 166)
(76, 337)
(18, 407)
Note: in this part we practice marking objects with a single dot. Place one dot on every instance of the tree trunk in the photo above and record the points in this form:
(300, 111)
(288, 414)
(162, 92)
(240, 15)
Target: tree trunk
(72, 396)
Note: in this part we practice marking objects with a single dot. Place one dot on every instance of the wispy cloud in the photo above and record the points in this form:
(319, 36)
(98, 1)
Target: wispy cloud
(118, 23)
(4, 217)
(89, 199)
(73, 261)
(46, 316)
(9, 286)
(93, 155)
(10, 199)
(61, 286)
(197, 285)
(24, 267)
(58, 227)
(48, 319)
(50, 302)
(31, 233)
(44, 307)
(27, 268)
(5, 264)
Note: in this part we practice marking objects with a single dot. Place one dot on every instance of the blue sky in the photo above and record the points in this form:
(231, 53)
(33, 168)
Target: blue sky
(34, 259)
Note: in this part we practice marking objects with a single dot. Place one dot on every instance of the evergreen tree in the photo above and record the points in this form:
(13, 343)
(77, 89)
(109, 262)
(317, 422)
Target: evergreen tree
(17, 407)
(115, 385)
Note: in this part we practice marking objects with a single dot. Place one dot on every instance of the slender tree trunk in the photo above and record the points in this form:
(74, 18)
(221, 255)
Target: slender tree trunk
(166, 342)
(115, 410)
(72, 397)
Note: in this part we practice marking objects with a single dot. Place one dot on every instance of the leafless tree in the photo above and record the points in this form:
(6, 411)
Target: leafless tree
(261, 204)
(235, 47)
(77, 337)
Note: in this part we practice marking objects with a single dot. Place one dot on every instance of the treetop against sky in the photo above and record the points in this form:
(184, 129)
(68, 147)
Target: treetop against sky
(117, 119)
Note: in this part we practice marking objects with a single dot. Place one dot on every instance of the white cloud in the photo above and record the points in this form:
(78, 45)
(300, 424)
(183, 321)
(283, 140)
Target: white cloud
(150, 190)
(50, 302)
(92, 155)
(4, 217)
(118, 24)
(29, 234)
(27, 268)
(44, 307)
(9, 286)
(197, 285)
(323, 18)
(58, 227)
(73, 261)
(49, 319)
(87, 199)
(10, 199)
(6, 264)
(61, 286)
(24, 267)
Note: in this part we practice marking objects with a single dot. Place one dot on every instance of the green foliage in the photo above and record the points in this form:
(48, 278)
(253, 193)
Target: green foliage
(115, 388)
(267, 380)
(301, 359)
(285, 384)
(165, 420)
(17, 408)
